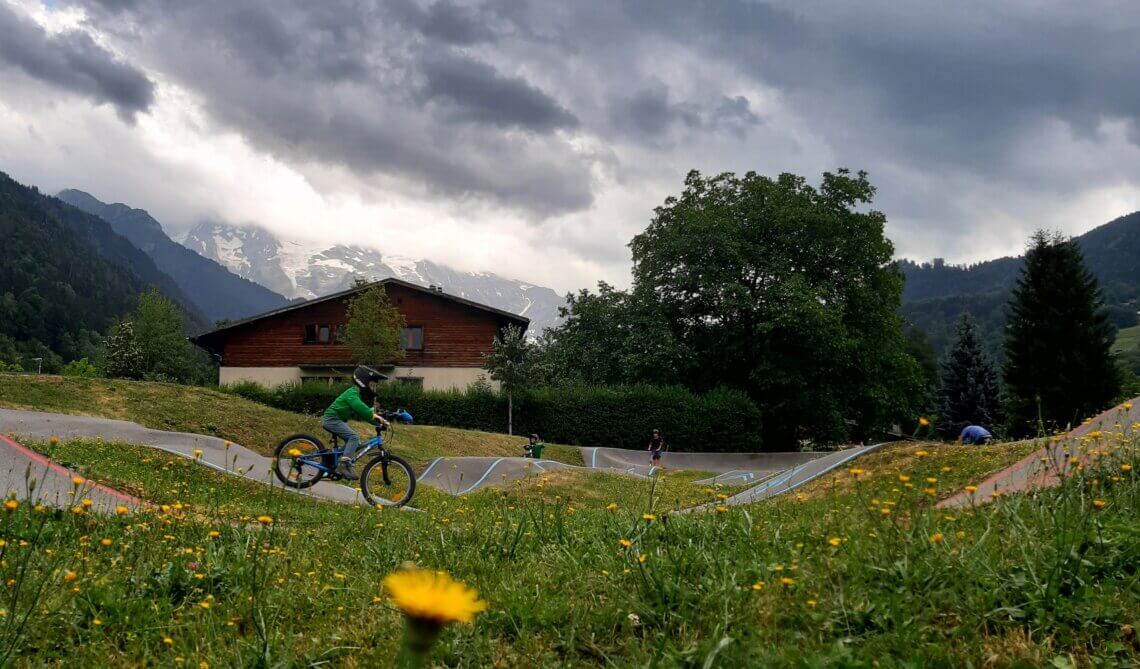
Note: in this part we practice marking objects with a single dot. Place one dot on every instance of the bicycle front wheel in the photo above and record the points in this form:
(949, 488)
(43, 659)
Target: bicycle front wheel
(388, 481)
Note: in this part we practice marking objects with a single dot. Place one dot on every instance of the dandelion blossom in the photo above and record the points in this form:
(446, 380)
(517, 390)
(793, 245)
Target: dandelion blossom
(11, 505)
(612, 506)
(625, 543)
(432, 599)
(122, 510)
(1099, 504)
(265, 520)
(835, 541)
(936, 538)
(648, 517)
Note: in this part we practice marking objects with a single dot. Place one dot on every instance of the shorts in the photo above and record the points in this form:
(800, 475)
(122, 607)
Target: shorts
(655, 455)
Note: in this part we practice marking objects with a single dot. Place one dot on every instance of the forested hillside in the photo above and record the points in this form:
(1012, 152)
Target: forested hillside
(213, 289)
(65, 278)
(936, 293)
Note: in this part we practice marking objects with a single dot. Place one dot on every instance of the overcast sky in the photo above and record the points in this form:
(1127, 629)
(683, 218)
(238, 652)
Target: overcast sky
(533, 139)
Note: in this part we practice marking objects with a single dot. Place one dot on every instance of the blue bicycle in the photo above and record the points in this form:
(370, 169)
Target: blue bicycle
(301, 460)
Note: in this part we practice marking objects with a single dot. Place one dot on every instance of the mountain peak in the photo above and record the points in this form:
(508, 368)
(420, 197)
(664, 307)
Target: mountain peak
(306, 270)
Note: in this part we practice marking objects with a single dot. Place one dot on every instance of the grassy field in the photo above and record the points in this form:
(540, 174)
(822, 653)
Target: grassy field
(1127, 339)
(858, 569)
(165, 406)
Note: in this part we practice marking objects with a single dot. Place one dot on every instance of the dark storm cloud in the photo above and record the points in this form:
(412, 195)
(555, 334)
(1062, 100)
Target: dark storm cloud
(492, 99)
(650, 115)
(475, 91)
(74, 62)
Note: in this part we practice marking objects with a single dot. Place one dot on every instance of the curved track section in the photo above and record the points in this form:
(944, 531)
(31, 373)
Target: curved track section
(233, 459)
(31, 477)
(1046, 467)
(774, 473)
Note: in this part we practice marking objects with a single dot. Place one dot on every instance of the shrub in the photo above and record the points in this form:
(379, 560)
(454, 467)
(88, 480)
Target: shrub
(617, 416)
(81, 367)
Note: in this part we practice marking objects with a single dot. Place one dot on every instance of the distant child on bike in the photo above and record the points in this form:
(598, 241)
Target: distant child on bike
(656, 445)
(533, 448)
(356, 402)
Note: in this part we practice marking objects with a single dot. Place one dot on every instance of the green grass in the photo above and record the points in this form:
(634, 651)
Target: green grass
(1041, 580)
(1028, 581)
(166, 406)
(1127, 340)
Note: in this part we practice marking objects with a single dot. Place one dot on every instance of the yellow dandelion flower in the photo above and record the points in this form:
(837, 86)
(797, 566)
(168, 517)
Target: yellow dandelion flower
(924, 421)
(758, 586)
(931, 491)
(946, 470)
(87, 503)
(921, 454)
(811, 603)
(122, 510)
(720, 508)
(961, 534)
(835, 541)
(787, 581)
(77, 480)
(931, 480)
(903, 478)
(213, 534)
(625, 543)
(70, 576)
(612, 506)
(11, 505)
(433, 597)
(106, 542)
(884, 512)
(204, 604)
(643, 558)
(1125, 468)
(265, 520)
(648, 517)
(167, 641)
(971, 488)
(936, 538)
(1099, 504)
(721, 496)
(54, 440)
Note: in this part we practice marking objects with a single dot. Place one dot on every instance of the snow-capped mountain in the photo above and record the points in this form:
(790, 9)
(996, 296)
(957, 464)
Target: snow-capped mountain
(307, 270)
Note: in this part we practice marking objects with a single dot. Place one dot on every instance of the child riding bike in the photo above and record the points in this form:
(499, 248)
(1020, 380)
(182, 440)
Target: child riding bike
(356, 402)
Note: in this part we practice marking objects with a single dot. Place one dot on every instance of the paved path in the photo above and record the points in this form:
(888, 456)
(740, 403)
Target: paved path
(774, 473)
(232, 459)
(1044, 468)
(31, 477)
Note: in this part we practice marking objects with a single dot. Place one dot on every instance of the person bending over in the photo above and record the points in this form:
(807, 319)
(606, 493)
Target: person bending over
(356, 402)
(974, 434)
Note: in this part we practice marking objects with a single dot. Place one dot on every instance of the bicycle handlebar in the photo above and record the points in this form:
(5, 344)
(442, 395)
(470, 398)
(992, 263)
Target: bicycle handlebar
(399, 414)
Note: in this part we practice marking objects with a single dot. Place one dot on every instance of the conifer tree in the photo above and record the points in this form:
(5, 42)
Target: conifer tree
(1059, 367)
(970, 390)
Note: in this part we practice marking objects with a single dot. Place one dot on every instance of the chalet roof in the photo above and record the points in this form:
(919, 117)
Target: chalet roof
(521, 321)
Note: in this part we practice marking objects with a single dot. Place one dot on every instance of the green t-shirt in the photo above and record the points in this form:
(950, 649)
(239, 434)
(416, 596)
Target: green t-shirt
(348, 406)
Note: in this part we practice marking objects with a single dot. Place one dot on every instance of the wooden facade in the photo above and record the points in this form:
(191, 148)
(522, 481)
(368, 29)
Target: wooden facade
(453, 332)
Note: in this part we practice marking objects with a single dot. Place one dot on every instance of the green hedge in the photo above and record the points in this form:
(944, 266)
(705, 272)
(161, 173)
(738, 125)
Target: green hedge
(718, 421)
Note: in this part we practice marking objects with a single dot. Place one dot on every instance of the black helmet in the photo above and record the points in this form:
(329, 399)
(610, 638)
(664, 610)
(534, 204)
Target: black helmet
(362, 376)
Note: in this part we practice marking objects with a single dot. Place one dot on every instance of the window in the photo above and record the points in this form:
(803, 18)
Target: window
(416, 381)
(318, 334)
(412, 338)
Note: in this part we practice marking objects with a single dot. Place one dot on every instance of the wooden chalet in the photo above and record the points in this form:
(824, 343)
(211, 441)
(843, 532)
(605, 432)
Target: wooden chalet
(444, 341)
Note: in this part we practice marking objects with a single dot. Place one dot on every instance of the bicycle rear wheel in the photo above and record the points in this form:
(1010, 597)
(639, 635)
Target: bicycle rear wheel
(388, 481)
(296, 459)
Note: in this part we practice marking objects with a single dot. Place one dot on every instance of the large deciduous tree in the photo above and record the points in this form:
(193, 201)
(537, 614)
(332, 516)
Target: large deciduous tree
(970, 390)
(372, 328)
(789, 292)
(1059, 366)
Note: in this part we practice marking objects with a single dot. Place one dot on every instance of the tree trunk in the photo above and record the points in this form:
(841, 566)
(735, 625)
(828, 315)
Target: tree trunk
(510, 413)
